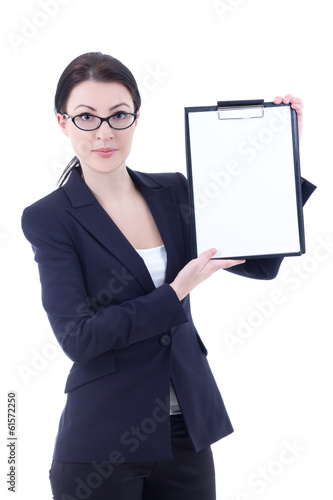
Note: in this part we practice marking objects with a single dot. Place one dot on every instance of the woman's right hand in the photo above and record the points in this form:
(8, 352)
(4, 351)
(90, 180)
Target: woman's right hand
(198, 270)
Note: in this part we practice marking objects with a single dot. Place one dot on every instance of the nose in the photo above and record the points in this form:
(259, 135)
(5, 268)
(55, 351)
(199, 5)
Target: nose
(105, 131)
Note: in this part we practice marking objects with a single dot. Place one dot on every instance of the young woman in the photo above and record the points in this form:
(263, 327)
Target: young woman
(113, 251)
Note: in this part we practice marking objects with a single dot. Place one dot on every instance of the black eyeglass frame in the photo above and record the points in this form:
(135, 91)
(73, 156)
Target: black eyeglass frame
(72, 118)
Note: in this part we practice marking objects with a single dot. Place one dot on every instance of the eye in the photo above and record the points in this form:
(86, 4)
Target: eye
(120, 116)
(86, 117)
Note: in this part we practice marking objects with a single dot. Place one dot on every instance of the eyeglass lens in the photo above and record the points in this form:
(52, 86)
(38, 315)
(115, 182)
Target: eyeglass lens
(91, 122)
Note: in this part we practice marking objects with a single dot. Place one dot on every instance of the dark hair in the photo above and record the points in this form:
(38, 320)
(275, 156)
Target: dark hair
(92, 66)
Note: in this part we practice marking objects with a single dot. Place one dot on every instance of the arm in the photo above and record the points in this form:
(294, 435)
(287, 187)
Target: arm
(82, 332)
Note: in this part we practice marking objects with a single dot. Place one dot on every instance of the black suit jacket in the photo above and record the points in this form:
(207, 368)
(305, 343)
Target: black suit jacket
(127, 339)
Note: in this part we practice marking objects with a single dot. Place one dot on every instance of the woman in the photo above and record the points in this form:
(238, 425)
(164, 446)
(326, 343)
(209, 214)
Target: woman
(115, 265)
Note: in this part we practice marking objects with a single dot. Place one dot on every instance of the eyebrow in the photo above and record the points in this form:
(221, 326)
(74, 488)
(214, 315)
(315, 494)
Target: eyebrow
(111, 109)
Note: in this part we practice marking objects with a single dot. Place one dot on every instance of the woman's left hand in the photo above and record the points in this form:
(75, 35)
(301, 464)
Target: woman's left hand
(297, 105)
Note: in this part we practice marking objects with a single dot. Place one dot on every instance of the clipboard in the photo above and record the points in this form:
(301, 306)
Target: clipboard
(243, 169)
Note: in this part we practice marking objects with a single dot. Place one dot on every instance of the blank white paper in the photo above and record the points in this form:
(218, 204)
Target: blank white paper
(244, 184)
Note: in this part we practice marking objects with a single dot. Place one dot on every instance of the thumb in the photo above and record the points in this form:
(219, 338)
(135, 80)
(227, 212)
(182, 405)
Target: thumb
(207, 255)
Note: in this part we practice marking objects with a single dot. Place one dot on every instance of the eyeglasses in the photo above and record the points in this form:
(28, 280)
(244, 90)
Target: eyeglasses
(88, 122)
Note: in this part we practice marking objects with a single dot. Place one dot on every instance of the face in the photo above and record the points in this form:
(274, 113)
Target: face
(103, 150)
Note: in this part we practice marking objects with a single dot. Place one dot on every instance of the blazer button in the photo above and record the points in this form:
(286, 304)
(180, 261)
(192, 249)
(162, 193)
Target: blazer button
(165, 340)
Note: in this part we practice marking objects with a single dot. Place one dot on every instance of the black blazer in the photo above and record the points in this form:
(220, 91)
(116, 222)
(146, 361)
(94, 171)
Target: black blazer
(127, 338)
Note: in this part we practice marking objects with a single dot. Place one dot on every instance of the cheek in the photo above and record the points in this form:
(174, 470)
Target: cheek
(127, 141)
(81, 144)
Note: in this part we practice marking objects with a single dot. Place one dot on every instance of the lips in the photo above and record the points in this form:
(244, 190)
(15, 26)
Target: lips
(105, 152)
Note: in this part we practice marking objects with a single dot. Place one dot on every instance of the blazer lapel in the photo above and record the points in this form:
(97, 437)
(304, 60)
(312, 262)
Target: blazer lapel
(162, 203)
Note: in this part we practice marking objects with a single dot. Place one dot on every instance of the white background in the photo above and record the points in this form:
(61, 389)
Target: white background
(269, 343)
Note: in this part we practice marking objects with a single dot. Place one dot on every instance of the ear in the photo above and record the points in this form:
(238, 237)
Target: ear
(62, 122)
(136, 121)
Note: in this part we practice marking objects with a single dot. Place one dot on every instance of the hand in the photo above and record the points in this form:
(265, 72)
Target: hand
(198, 270)
(297, 105)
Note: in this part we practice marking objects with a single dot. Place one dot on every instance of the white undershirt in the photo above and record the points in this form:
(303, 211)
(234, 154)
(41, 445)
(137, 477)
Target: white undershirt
(155, 260)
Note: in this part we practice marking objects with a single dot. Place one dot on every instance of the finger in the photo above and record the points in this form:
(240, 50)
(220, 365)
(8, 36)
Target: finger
(297, 103)
(206, 257)
(278, 99)
(207, 254)
(297, 100)
(298, 108)
(232, 262)
(225, 263)
(287, 98)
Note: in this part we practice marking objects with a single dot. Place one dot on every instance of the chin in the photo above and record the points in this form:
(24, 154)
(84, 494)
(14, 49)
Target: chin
(104, 166)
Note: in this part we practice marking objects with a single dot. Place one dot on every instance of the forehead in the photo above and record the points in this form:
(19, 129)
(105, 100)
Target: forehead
(99, 95)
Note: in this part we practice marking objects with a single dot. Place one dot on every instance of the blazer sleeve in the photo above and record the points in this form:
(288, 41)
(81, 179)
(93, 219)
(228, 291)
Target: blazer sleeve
(82, 332)
(265, 268)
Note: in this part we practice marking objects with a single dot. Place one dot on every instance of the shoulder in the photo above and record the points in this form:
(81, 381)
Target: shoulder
(54, 199)
(53, 208)
(44, 213)
(49, 203)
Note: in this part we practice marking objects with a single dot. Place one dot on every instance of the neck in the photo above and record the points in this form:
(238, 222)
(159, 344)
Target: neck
(112, 185)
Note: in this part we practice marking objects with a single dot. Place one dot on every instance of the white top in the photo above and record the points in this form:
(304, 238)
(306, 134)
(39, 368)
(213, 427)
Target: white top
(156, 261)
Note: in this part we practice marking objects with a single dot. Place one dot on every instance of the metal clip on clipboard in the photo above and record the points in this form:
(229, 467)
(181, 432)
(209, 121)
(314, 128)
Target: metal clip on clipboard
(231, 110)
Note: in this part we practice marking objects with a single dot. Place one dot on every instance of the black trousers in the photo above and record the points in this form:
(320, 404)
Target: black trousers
(188, 476)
